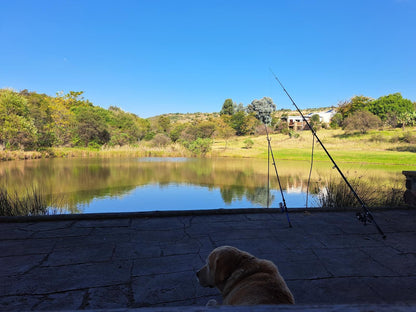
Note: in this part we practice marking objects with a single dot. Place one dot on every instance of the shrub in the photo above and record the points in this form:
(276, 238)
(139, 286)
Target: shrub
(161, 140)
(199, 146)
(293, 134)
(362, 121)
(248, 143)
(408, 137)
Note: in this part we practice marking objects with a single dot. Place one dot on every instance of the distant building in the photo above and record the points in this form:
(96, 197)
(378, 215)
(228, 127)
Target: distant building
(297, 122)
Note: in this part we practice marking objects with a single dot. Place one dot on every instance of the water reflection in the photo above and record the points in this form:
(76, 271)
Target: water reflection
(132, 184)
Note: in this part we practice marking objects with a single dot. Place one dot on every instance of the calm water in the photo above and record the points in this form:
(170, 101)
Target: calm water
(148, 184)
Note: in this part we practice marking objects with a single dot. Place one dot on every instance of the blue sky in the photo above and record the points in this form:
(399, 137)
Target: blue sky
(153, 57)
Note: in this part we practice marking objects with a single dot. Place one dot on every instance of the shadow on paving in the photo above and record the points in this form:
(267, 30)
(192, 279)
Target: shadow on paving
(150, 260)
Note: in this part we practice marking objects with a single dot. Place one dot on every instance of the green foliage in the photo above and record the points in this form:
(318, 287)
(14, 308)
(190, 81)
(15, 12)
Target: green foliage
(176, 132)
(35, 121)
(203, 130)
(390, 108)
(392, 103)
(336, 121)
(17, 128)
(356, 103)
(228, 108)
(126, 128)
(243, 124)
(199, 147)
(293, 134)
(91, 126)
(164, 123)
(248, 143)
(223, 128)
(315, 122)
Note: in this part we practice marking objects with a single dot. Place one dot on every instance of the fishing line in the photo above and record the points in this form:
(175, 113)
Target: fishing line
(283, 203)
(310, 171)
(365, 216)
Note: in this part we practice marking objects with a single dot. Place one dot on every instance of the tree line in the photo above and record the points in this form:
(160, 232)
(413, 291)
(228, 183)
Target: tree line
(32, 121)
(362, 113)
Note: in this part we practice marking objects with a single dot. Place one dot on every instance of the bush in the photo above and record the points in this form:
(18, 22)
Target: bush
(408, 137)
(199, 146)
(248, 143)
(161, 140)
(362, 121)
(293, 134)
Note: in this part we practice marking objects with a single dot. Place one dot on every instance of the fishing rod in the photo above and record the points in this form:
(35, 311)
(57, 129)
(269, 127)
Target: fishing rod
(365, 216)
(282, 205)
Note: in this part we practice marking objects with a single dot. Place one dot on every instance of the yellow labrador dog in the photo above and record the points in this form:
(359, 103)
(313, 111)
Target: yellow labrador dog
(243, 279)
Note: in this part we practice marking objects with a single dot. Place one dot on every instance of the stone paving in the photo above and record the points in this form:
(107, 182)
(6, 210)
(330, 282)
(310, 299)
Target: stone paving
(149, 260)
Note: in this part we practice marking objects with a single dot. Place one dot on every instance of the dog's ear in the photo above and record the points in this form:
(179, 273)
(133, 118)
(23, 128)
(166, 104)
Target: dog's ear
(225, 261)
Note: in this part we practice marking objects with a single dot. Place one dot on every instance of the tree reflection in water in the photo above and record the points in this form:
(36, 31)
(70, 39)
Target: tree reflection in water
(77, 183)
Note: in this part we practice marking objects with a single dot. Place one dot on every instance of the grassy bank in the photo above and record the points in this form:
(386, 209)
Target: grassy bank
(389, 148)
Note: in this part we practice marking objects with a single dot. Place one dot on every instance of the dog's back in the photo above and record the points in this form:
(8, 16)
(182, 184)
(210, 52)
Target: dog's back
(260, 283)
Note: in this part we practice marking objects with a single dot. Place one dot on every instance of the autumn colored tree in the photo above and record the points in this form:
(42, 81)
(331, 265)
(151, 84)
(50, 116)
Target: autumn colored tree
(362, 121)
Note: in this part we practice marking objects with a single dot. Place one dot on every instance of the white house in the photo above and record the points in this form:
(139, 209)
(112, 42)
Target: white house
(297, 122)
(325, 116)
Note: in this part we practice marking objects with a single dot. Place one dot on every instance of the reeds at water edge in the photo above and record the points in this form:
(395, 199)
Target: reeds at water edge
(336, 195)
(33, 202)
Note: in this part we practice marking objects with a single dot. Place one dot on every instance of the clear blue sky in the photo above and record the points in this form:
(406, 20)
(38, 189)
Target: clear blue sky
(153, 57)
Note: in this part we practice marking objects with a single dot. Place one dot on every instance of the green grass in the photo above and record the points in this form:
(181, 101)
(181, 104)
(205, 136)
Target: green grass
(357, 148)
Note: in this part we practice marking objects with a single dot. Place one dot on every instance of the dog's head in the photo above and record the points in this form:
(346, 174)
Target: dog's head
(222, 262)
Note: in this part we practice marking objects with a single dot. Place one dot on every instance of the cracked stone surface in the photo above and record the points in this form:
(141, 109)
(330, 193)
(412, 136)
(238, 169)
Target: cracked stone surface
(138, 262)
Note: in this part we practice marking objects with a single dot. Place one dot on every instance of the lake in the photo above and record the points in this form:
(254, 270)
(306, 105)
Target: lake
(103, 185)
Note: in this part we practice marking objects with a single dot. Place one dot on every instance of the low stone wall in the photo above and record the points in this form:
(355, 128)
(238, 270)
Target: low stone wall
(410, 194)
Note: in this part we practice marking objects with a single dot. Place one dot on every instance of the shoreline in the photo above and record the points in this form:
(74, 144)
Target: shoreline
(351, 157)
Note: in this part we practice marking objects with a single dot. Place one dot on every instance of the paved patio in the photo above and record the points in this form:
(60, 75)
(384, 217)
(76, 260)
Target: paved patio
(133, 261)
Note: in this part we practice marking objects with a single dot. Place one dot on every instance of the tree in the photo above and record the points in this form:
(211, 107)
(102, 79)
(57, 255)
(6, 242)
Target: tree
(200, 146)
(361, 120)
(224, 130)
(239, 123)
(91, 126)
(63, 121)
(356, 103)
(262, 109)
(227, 108)
(17, 129)
(40, 108)
(176, 131)
(164, 123)
(315, 122)
(393, 104)
(336, 121)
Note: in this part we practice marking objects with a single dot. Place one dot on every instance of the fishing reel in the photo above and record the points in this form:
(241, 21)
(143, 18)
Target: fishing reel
(364, 217)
